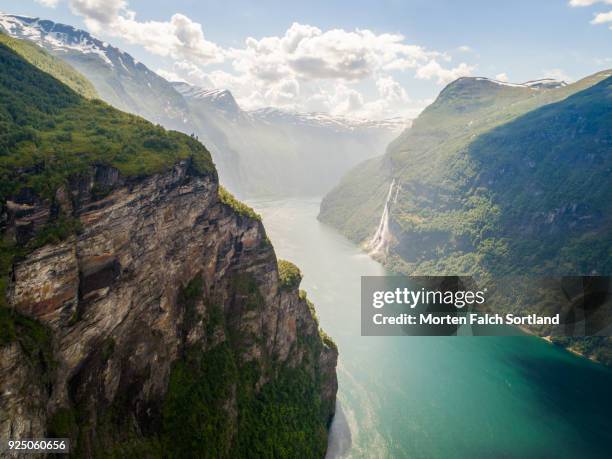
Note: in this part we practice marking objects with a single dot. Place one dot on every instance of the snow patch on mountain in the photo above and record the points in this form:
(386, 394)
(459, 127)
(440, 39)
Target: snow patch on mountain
(56, 37)
(543, 83)
(223, 99)
(275, 115)
(548, 83)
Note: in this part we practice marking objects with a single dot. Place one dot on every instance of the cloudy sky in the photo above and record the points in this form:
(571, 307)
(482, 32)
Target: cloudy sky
(373, 59)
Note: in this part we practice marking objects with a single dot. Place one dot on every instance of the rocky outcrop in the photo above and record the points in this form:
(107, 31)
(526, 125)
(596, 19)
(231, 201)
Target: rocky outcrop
(159, 268)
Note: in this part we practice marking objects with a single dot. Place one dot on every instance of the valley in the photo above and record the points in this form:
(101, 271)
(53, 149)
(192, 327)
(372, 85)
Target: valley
(436, 396)
(180, 276)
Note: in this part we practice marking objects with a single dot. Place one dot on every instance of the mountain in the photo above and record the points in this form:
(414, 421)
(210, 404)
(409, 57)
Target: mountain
(422, 158)
(143, 312)
(492, 179)
(55, 67)
(263, 152)
(216, 99)
(275, 152)
(118, 78)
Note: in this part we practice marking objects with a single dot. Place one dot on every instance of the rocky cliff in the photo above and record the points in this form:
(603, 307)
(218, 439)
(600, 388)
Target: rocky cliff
(161, 276)
(142, 313)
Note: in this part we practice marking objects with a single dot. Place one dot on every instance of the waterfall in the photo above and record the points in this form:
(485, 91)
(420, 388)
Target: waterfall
(379, 240)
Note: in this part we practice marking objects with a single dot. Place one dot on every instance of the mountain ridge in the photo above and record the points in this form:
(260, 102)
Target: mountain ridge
(463, 110)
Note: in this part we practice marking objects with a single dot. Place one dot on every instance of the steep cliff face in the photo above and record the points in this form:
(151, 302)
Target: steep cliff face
(160, 270)
(142, 313)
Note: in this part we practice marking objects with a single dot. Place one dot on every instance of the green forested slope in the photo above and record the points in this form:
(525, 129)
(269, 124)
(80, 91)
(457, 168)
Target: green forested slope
(447, 214)
(495, 179)
(57, 68)
(48, 132)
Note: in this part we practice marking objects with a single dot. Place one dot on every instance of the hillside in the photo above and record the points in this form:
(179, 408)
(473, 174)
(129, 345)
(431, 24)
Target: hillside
(426, 158)
(119, 79)
(492, 180)
(54, 67)
(49, 133)
(143, 313)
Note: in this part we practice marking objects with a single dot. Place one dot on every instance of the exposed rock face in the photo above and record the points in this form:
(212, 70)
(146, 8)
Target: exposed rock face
(22, 413)
(112, 297)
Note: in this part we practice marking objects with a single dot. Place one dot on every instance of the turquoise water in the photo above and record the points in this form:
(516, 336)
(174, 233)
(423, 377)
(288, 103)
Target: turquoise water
(438, 397)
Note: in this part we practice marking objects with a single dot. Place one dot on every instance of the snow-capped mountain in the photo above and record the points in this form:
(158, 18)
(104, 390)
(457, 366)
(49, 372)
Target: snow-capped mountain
(223, 100)
(543, 83)
(340, 123)
(120, 79)
(220, 99)
(62, 38)
(273, 151)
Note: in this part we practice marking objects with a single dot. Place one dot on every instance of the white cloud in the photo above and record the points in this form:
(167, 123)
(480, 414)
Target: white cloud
(170, 75)
(307, 68)
(599, 18)
(309, 53)
(602, 18)
(179, 38)
(349, 72)
(391, 90)
(576, 3)
(48, 3)
(435, 70)
(465, 49)
(502, 77)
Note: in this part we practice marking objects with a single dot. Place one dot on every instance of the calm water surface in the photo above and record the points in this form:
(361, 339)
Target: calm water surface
(443, 397)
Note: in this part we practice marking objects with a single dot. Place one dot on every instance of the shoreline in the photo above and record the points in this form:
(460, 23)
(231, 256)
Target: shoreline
(549, 340)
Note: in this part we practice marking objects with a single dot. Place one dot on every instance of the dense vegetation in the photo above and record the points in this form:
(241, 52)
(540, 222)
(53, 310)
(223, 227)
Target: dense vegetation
(495, 179)
(49, 133)
(57, 68)
(282, 419)
(530, 195)
(545, 179)
(289, 275)
(212, 408)
(238, 206)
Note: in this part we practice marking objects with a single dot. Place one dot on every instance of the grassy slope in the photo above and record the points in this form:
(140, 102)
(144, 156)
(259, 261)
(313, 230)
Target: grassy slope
(482, 193)
(547, 174)
(57, 68)
(52, 132)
